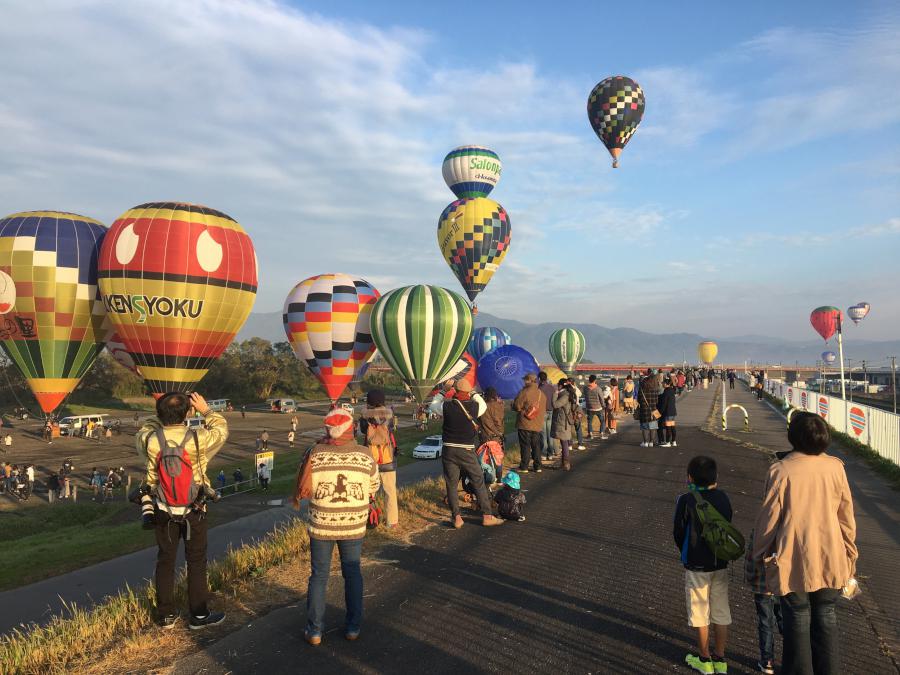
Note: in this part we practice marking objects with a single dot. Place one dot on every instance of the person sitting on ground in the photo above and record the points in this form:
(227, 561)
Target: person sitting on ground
(807, 520)
(705, 576)
(343, 479)
(458, 455)
(380, 441)
(174, 521)
(510, 499)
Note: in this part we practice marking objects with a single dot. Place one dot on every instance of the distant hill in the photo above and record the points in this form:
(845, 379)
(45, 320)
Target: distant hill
(623, 345)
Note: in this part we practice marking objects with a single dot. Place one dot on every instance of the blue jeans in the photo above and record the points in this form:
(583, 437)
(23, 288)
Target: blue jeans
(599, 414)
(320, 561)
(546, 440)
(811, 637)
(768, 620)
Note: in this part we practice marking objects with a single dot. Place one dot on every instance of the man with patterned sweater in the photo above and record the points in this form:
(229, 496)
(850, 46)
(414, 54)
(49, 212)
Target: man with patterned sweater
(344, 477)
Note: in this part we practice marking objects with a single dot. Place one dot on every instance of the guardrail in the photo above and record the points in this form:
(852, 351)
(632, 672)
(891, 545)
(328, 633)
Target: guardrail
(876, 428)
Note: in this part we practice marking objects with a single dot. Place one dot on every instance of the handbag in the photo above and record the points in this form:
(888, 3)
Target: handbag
(530, 412)
(654, 414)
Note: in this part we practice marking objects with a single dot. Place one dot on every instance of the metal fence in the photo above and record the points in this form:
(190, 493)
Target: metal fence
(879, 429)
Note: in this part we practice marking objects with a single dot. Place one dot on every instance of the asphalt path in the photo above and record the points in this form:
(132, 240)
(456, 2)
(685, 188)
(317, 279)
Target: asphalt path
(591, 582)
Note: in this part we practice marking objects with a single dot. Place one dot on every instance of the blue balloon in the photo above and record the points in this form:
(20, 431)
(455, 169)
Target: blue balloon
(503, 369)
(487, 339)
(829, 357)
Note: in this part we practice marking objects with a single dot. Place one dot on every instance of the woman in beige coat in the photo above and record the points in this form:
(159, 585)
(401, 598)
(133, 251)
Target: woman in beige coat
(805, 536)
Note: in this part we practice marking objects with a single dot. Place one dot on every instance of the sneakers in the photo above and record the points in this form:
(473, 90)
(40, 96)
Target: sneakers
(720, 665)
(768, 667)
(581, 447)
(538, 470)
(643, 444)
(666, 445)
(604, 437)
(168, 621)
(613, 431)
(312, 638)
(700, 664)
(492, 521)
(351, 635)
(523, 470)
(211, 619)
(674, 444)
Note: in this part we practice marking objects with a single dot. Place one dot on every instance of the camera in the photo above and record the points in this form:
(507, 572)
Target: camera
(148, 520)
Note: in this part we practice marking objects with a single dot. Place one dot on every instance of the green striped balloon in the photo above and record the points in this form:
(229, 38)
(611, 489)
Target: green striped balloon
(567, 348)
(421, 331)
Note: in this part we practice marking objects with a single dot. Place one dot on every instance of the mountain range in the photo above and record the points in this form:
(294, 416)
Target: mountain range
(628, 345)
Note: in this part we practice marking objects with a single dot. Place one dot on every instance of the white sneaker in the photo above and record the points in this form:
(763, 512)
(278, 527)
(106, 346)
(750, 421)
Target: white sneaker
(643, 444)
(613, 431)
(674, 444)
(604, 437)
(581, 447)
(666, 445)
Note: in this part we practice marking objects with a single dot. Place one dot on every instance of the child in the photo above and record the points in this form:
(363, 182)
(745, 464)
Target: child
(509, 498)
(705, 577)
(768, 610)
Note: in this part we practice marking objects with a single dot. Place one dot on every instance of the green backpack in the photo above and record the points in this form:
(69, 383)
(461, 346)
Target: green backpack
(724, 539)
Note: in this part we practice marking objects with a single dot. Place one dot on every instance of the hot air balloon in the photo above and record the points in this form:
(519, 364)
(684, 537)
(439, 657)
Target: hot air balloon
(567, 347)
(504, 368)
(829, 357)
(465, 369)
(858, 312)
(327, 321)
(554, 375)
(615, 108)
(471, 171)
(117, 350)
(421, 331)
(707, 351)
(178, 281)
(485, 339)
(474, 236)
(54, 324)
(826, 320)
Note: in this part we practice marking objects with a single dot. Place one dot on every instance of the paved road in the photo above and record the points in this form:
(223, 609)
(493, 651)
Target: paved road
(38, 602)
(590, 583)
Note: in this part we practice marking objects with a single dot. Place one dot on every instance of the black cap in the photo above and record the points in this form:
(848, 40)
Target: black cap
(375, 398)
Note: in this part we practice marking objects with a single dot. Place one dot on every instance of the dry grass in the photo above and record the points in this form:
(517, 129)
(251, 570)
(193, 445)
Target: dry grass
(119, 635)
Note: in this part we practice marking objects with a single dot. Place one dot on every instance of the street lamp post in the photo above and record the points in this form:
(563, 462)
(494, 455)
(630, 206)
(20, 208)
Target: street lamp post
(841, 358)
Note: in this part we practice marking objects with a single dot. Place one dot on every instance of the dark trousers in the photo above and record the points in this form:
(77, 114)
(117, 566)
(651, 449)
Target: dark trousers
(168, 533)
(530, 447)
(768, 621)
(459, 461)
(811, 638)
(731, 384)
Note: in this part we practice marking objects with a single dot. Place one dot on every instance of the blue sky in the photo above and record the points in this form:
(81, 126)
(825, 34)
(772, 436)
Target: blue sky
(764, 180)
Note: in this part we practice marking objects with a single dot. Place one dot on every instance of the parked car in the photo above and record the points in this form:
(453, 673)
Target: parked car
(71, 426)
(430, 448)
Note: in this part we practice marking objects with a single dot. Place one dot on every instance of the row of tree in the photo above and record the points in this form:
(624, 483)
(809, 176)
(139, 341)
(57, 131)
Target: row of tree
(247, 372)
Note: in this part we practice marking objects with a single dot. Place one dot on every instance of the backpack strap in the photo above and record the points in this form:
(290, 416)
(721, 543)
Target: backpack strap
(474, 423)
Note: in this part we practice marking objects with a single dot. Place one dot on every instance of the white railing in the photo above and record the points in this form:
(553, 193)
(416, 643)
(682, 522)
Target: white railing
(877, 428)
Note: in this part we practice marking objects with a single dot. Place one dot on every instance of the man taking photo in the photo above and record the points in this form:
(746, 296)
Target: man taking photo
(177, 458)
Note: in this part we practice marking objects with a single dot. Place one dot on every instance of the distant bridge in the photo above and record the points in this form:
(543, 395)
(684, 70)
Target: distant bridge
(635, 368)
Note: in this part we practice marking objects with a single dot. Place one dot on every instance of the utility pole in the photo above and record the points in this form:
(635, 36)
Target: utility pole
(894, 381)
(865, 379)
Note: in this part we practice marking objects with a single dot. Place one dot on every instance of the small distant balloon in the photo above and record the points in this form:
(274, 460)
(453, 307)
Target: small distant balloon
(858, 312)
(615, 108)
(829, 357)
(472, 171)
(707, 352)
(826, 320)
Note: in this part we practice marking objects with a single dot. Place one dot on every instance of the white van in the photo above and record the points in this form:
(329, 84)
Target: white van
(284, 405)
(219, 404)
(72, 426)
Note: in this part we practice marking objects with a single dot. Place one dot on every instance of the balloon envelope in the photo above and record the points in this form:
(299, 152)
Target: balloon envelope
(567, 347)
(118, 351)
(826, 320)
(504, 368)
(554, 375)
(486, 339)
(858, 312)
(421, 331)
(464, 369)
(829, 357)
(55, 324)
(471, 171)
(474, 236)
(178, 281)
(615, 108)
(706, 351)
(327, 320)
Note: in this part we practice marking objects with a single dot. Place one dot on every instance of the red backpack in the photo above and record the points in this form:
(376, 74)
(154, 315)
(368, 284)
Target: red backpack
(176, 471)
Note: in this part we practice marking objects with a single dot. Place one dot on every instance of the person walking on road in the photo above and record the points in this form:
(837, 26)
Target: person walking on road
(264, 439)
(530, 405)
(458, 456)
(168, 448)
(731, 378)
(263, 473)
(666, 407)
(612, 409)
(380, 442)
(593, 401)
(805, 535)
(647, 414)
(343, 479)
(549, 390)
(565, 408)
(291, 436)
(628, 402)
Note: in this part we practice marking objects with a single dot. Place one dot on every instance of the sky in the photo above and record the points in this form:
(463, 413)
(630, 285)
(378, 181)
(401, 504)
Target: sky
(763, 181)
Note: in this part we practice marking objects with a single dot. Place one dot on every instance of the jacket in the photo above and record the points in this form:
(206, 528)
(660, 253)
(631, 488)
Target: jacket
(210, 439)
(529, 396)
(548, 389)
(628, 389)
(563, 411)
(687, 531)
(344, 477)
(665, 404)
(646, 401)
(459, 430)
(593, 397)
(492, 422)
(806, 532)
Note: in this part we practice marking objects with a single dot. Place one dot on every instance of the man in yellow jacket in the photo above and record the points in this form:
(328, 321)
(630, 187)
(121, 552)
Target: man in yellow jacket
(180, 513)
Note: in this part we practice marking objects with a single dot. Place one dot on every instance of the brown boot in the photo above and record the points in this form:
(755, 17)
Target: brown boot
(566, 466)
(491, 521)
